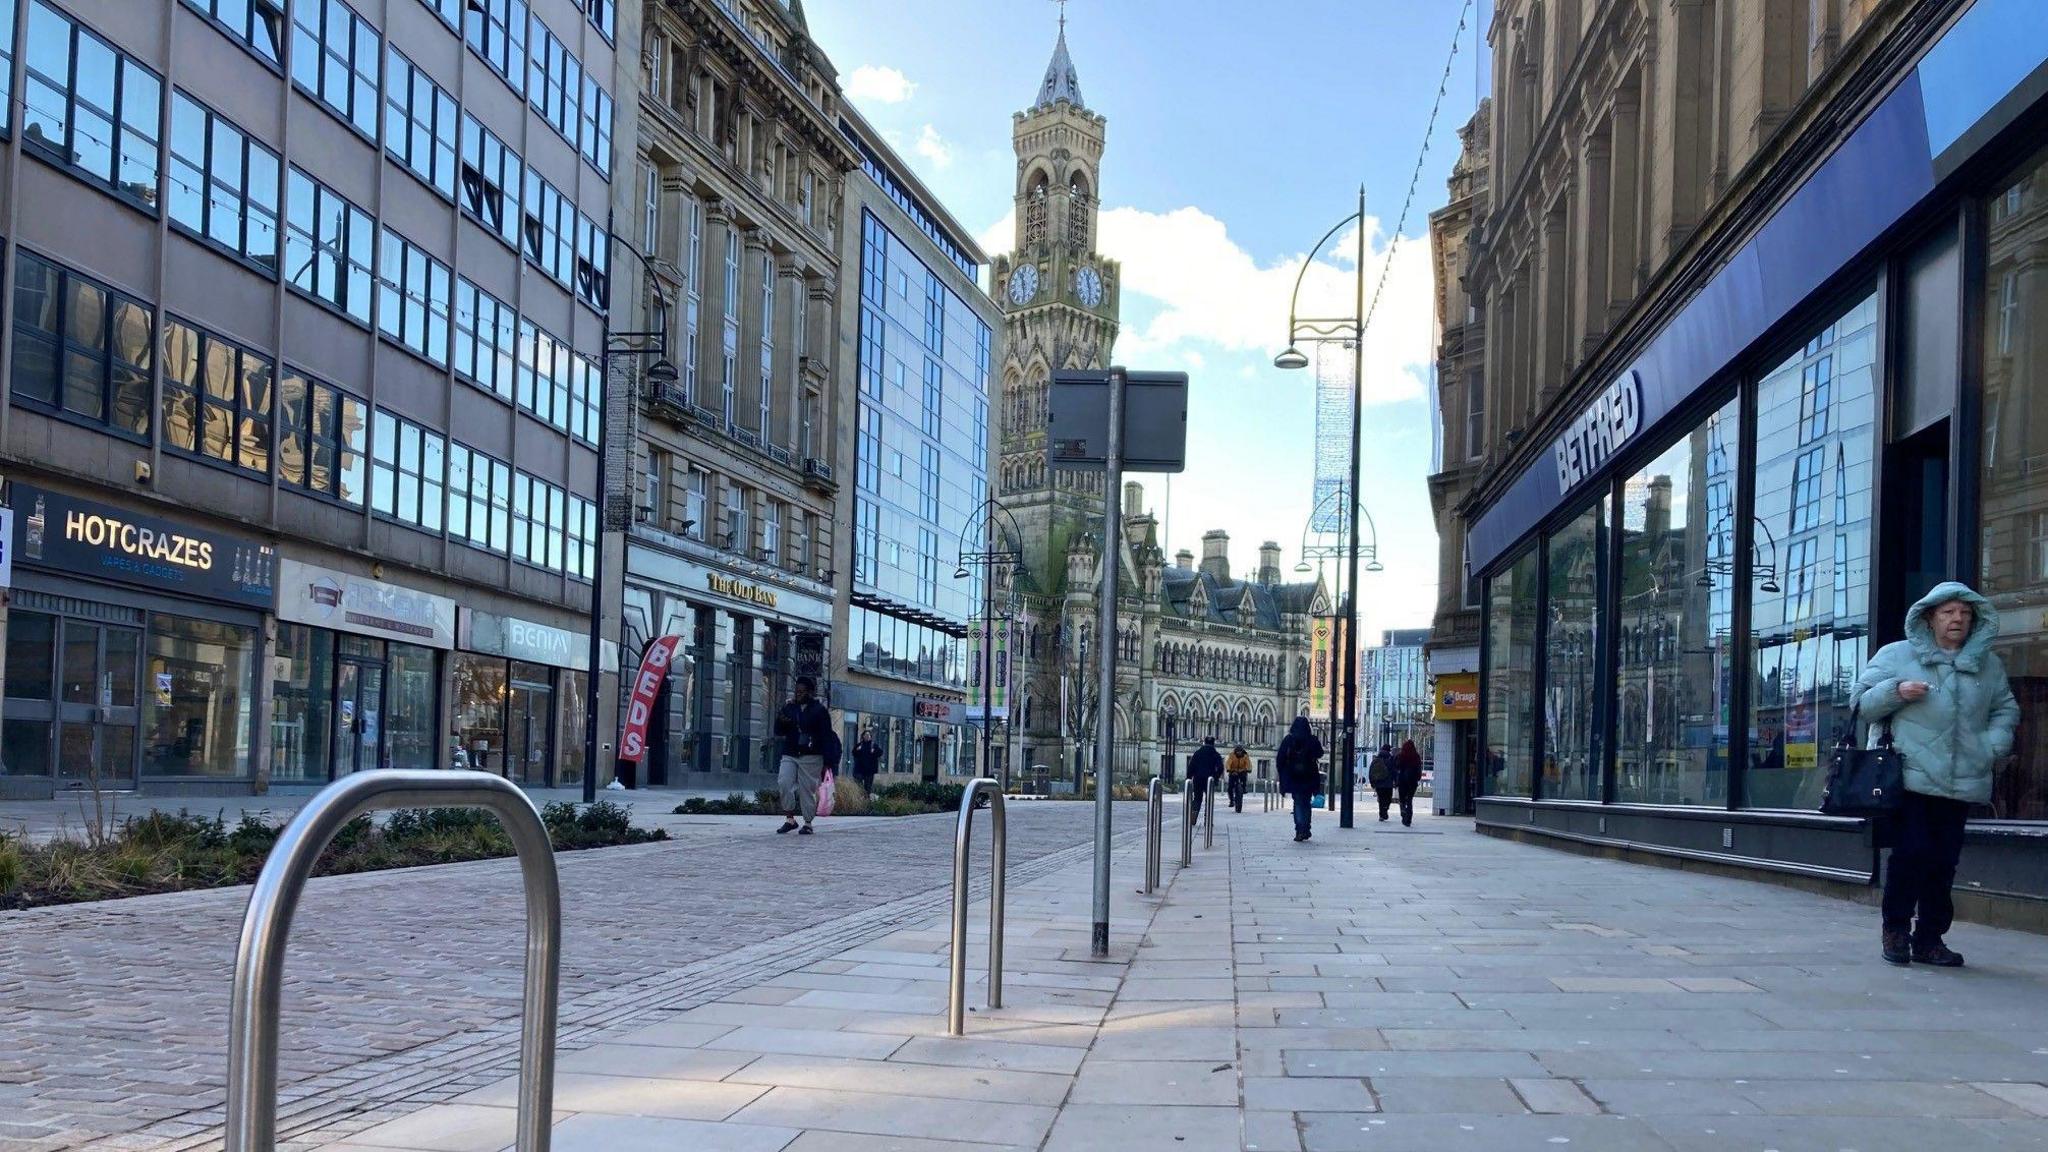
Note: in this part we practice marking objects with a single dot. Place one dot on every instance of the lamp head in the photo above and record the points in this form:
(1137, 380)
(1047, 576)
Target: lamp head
(1302, 568)
(662, 374)
(1375, 566)
(960, 573)
(1770, 586)
(1290, 360)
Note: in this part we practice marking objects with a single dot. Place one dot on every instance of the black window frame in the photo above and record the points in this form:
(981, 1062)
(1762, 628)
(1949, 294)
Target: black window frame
(406, 318)
(302, 428)
(492, 198)
(441, 168)
(252, 13)
(485, 520)
(241, 190)
(388, 462)
(146, 197)
(496, 31)
(238, 408)
(340, 250)
(60, 349)
(489, 364)
(348, 108)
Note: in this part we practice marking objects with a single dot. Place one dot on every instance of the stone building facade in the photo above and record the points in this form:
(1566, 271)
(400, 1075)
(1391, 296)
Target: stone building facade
(1755, 286)
(735, 193)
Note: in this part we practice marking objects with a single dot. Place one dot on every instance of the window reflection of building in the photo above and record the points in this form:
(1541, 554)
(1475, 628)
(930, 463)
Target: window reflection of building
(1505, 768)
(1815, 431)
(1574, 710)
(2014, 476)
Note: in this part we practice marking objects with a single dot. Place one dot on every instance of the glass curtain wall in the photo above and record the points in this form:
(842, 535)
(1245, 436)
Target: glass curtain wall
(1574, 709)
(1512, 604)
(1675, 621)
(2014, 471)
(1810, 619)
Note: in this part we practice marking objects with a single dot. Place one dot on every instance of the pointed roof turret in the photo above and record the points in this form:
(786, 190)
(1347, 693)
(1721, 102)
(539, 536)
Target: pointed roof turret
(1061, 83)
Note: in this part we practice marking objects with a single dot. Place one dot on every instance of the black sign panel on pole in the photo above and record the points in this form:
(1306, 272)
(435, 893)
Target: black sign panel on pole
(1155, 421)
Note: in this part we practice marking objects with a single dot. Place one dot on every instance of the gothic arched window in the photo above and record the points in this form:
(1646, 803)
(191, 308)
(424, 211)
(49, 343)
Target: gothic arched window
(1034, 213)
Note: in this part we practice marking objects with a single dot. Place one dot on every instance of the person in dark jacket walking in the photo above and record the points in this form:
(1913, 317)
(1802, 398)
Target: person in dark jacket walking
(1943, 696)
(1204, 766)
(867, 760)
(1407, 778)
(1381, 777)
(804, 728)
(1296, 761)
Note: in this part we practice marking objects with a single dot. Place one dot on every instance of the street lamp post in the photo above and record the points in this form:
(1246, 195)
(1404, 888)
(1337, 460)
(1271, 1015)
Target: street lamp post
(1320, 552)
(997, 553)
(614, 508)
(1325, 330)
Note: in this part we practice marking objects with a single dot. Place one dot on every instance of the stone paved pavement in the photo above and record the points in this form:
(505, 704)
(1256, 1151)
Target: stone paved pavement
(1376, 990)
(113, 1016)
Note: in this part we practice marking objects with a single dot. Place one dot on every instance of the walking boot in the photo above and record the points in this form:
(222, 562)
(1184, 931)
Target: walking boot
(1937, 954)
(1897, 948)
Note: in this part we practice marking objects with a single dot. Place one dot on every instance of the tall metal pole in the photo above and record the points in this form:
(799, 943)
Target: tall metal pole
(1351, 554)
(593, 679)
(988, 653)
(1330, 800)
(1105, 647)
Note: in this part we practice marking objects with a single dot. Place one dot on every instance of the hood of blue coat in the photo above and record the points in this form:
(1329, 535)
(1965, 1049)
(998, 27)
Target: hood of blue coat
(1299, 727)
(1921, 634)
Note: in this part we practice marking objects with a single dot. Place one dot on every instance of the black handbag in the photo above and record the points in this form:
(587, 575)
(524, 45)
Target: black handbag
(1867, 782)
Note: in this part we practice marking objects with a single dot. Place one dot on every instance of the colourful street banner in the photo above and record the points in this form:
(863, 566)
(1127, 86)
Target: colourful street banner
(640, 706)
(1001, 672)
(1325, 637)
(992, 677)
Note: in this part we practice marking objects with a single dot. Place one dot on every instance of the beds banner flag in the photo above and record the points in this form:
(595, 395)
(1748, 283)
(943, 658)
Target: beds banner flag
(640, 705)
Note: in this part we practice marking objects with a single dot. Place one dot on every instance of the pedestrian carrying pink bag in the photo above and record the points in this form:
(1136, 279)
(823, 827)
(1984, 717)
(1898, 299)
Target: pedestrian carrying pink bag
(825, 792)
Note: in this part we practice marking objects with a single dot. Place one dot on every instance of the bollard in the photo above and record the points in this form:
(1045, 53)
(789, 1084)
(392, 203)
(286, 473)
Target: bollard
(963, 837)
(1209, 817)
(1155, 811)
(259, 957)
(1187, 823)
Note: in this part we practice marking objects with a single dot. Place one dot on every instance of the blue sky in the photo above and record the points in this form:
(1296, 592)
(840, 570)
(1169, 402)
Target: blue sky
(1238, 135)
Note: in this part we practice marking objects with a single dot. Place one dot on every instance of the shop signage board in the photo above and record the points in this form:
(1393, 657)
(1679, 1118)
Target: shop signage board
(930, 708)
(325, 598)
(640, 705)
(756, 594)
(495, 635)
(79, 537)
(1457, 696)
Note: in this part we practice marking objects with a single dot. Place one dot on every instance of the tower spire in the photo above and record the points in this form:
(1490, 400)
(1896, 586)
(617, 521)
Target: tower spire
(1061, 82)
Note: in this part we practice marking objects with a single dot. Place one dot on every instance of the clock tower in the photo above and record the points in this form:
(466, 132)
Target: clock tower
(1059, 299)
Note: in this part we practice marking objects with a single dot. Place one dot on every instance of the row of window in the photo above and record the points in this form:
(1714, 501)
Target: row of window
(519, 206)
(530, 58)
(87, 351)
(753, 524)
(436, 483)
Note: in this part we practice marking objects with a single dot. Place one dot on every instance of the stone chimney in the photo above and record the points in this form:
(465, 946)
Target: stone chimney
(1216, 554)
(1269, 563)
(1657, 513)
(1184, 560)
(1134, 499)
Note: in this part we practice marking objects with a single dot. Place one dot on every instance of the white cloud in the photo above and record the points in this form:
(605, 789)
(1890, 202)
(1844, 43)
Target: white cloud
(1212, 294)
(875, 84)
(934, 148)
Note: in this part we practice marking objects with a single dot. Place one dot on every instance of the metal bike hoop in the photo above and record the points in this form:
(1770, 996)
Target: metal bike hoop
(1209, 817)
(1187, 823)
(259, 957)
(963, 839)
(1155, 811)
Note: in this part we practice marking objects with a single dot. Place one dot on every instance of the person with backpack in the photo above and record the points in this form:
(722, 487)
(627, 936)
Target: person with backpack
(1204, 766)
(1407, 778)
(1296, 761)
(1239, 768)
(1381, 777)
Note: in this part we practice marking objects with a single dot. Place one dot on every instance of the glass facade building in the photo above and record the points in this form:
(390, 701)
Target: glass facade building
(921, 466)
(1678, 600)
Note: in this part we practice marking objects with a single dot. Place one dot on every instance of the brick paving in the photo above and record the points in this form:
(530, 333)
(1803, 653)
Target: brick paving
(402, 985)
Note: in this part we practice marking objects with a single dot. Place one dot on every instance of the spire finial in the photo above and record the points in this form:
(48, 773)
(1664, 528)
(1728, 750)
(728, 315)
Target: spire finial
(1063, 16)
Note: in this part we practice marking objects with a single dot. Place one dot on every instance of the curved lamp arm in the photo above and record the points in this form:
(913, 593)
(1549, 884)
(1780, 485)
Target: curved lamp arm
(1294, 298)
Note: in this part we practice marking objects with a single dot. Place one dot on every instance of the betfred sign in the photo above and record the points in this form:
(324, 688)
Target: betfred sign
(1607, 423)
(640, 705)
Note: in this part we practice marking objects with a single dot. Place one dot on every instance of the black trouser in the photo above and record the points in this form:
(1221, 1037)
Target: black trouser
(1408, 803)
(1237, 792)
(1386, 796)
(1928, 840)
(1304, 807)
(1197, 794)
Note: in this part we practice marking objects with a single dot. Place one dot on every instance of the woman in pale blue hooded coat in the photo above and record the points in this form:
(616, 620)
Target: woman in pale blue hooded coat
(1951, 715)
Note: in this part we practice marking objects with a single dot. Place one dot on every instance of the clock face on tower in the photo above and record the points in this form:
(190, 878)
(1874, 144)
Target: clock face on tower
(1088, 286)
(1024, 284)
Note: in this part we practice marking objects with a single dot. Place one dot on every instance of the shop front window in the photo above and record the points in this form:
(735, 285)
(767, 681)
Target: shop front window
(1512, 599)
(1675, 620)
(301, 719)
(530, 721)
(2014, 474)
(201, 698)
(1810, 621)
(479, 711)
(575, 707)
(413, 690)
(1574, 712)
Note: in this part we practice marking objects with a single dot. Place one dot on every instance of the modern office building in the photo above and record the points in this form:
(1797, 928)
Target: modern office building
(1394, 678)
(1764, 318)
(922, 347)
(304, 300)
(736, 190)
